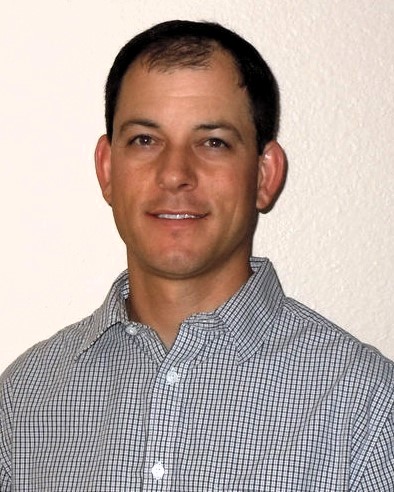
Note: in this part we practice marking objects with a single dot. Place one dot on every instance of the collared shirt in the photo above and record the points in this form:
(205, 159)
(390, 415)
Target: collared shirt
(261, 394)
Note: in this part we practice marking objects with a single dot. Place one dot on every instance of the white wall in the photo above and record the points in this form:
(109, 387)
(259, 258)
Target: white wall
(330, 235)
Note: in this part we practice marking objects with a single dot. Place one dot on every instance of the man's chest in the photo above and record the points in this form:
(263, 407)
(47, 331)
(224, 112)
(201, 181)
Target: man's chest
(182, 426)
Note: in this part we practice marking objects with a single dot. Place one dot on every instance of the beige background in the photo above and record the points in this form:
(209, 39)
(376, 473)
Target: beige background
(330, 235)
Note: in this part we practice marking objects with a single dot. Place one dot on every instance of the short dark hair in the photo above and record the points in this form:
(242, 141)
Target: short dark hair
(178, 44)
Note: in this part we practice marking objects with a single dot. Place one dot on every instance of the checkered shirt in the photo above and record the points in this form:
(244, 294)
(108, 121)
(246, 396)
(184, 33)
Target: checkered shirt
(261, 394)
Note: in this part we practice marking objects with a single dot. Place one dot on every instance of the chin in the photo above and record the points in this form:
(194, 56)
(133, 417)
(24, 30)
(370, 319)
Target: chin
(178, 265)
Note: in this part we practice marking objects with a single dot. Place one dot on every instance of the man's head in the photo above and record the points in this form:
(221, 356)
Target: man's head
(189, 156)
(176, 44)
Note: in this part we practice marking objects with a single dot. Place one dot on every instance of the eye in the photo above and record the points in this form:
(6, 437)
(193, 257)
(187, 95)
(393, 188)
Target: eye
(215, 143)
(141, 140)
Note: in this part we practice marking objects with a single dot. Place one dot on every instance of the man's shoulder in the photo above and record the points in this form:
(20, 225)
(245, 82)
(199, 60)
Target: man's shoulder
(62, 346)
(314, 336)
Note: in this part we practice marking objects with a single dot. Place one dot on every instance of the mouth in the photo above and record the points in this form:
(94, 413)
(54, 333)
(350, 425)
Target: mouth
(179, 216)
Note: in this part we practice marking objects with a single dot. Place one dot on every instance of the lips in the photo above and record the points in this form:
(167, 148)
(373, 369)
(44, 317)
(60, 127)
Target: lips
(179, 216)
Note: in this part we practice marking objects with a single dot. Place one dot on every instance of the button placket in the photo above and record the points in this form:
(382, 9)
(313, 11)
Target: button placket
(165, 411)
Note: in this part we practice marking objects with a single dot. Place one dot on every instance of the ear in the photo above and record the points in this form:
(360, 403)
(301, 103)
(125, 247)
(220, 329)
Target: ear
(271, 177)
(102, 157)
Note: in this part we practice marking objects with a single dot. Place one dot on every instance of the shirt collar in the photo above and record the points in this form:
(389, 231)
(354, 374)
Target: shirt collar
(247, 315)
(250, 313)
(112, 312)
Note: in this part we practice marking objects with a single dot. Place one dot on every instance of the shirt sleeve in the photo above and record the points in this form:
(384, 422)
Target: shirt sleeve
(5, 438)
(379, 471)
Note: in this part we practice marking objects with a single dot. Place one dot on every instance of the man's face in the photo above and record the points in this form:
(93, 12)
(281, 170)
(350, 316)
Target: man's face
(182, 172)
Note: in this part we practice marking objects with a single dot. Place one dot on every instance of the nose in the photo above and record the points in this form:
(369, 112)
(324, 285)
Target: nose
(176, 170)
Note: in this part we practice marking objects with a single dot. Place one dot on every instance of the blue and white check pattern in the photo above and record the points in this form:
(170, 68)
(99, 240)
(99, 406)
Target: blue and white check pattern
(262, 394)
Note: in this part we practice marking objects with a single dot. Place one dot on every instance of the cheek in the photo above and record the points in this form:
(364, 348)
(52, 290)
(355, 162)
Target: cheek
(236, 204)
(127, 182)
(240, 187)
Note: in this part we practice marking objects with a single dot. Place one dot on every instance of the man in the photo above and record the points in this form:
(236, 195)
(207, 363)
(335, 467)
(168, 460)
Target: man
(197, 373)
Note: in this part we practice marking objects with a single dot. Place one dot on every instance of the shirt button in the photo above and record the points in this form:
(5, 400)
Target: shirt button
(172, 377)
(132, 329)
(158, 471)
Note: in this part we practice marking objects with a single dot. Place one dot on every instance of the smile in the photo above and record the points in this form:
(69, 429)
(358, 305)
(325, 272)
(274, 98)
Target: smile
(179, 216)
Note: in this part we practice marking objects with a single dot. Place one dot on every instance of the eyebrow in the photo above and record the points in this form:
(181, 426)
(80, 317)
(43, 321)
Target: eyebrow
(138, 122)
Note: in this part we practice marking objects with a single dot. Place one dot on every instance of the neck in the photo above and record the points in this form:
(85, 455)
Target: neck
(163, 303)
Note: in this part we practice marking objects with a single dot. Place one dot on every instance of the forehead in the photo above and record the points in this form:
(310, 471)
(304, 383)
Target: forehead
(214, 85)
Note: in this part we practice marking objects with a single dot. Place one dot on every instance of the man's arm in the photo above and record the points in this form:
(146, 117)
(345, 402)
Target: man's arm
(379, 470)
(5, 437)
